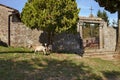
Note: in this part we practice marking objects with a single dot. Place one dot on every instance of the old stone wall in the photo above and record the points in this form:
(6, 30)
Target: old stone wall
(109, 38)
(24, 36)
(20, 35)
(68, 43)
(4, 12)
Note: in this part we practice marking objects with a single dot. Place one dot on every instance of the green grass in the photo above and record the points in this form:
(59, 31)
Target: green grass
(22, 64)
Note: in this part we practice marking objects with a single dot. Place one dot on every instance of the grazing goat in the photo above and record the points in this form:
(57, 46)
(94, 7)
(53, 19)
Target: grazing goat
(38, 48)
(46, 49)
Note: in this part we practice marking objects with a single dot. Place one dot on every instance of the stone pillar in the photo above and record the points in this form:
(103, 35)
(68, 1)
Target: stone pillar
(118, 34)
(79, 29)
(101, 36)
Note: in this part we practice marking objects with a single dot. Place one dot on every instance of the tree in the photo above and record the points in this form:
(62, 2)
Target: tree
(114, 23)
(51, 16)
(112, 6)
(103, 15)
(99, 14)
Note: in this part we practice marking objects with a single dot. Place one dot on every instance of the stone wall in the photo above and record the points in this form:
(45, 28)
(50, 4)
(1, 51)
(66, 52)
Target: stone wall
(4, 13)
(24, 36)
(107, 35)
(68, 43)
(20, 35)
(109, 38)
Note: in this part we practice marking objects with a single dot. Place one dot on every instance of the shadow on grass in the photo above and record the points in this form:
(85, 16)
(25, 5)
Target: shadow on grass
(112, 75)
(45, 69)
(2, 52)
(14, 50)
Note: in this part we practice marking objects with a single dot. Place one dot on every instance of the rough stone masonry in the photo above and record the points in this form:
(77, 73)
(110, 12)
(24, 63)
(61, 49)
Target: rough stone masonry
(22, 36)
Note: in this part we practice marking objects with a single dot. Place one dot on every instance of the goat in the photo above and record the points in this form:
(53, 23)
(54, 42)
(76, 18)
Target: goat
(46, 49)
(38, 48)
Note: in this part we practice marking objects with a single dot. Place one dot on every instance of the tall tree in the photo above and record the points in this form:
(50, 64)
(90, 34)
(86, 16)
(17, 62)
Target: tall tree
(99, 14)
(114, 24)
(51, 16)
(103, 15)
(112, 6)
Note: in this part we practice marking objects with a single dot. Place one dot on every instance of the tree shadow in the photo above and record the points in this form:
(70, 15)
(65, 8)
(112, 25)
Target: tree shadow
(111, 75)
(64, 43)
(45, 69)
(14, 50)
(3, 43)
(3, 52)
(14, 70)
(68, 43)
(43, 38)
(66, 70)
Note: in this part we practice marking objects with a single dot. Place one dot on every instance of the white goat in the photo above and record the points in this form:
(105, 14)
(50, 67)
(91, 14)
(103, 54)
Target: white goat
(38, 49)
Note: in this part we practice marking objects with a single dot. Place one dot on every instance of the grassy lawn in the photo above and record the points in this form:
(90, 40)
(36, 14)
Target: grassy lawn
(22, 64)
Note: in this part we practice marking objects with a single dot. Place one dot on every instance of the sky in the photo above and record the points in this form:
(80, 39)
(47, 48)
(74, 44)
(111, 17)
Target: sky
(84, 6)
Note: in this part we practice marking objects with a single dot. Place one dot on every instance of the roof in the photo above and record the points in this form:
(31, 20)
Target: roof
(15, 11)
(91, 19)
(9, 7)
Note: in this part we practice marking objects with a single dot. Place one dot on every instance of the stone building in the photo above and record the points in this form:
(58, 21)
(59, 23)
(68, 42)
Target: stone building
(14, 33)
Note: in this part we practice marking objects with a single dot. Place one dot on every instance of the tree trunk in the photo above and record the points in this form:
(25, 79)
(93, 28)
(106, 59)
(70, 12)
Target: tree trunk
(118, 34)
(50, 38)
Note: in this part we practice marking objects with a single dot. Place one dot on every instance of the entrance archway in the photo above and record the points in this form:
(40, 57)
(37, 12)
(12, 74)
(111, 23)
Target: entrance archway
(92, 20)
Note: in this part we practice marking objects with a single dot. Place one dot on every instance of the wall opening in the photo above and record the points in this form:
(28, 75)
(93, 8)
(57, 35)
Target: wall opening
(90, 36)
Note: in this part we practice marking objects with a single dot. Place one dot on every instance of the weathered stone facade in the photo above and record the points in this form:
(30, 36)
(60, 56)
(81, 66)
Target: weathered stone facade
(107, 35)
(68, 43)
(4, 22)
(20, 35)
(24, 36)
(109, 38)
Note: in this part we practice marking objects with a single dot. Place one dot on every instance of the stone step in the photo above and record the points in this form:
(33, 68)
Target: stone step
(103, 55)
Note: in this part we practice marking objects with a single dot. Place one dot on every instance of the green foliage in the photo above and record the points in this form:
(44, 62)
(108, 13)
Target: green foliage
(51, 15)
(110, 5)
(114, 23)
(103, 15)
(90, 30)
